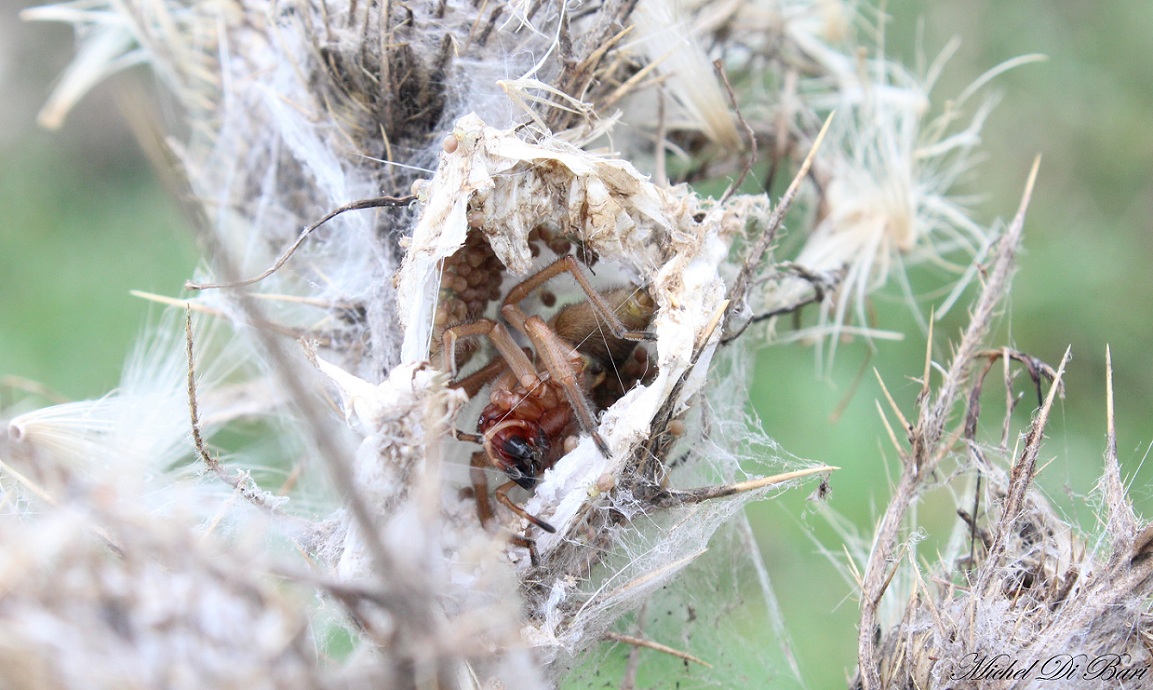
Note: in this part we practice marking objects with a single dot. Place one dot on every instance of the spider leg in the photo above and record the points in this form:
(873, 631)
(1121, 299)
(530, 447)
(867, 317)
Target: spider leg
(569, 264)
(561, 362)
(517, 360)
(529, 544)
(466, 436)
(477, 380)
(501, 494)
(484, 513)
(480, 487)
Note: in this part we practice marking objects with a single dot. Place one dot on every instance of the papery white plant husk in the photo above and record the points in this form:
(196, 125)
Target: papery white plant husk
(668, 239)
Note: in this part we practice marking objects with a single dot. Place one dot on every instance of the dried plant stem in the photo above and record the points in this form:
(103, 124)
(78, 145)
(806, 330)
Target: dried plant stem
(757, 254)
(932, 419)
(241, 481)
(377, 202)
(751, 160)
(655, 646)
(1020, 479)
(819, 284)
(193, 409)
(709, 493)
(1033, 366)
(924, 439)
(1122, 519)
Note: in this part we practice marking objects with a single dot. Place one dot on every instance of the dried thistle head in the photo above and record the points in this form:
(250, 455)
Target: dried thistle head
(1022, 594)
(888, 197)
(1019, 595)
(488, 115)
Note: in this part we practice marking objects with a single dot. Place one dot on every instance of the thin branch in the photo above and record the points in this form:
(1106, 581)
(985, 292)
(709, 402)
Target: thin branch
(377, 202)
(1036, 368)
(241, 482)
(655, 646)
(819, 283)
(756, 254)
(193, 409)
(719, 66)
(1021, 476)
(708, 493)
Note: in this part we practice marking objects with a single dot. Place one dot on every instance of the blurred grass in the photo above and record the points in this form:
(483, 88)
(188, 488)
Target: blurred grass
(84, 221)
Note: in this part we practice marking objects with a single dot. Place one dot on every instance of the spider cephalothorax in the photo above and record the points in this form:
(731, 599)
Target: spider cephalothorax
(520, 426)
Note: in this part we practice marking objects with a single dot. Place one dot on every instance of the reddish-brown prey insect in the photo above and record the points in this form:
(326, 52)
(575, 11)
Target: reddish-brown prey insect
(536, 409)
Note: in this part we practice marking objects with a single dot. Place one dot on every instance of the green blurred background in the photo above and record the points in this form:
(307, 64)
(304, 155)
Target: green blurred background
(83, 220)
(1084, 281)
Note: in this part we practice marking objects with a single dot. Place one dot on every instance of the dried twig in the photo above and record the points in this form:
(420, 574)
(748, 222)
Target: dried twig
(1020, 480)
(756, 254)
(672, 497)
(751, 159)
(377, 202)
(241, 482)
(655, 646)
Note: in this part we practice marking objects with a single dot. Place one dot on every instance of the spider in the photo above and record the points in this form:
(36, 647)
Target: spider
(536, 409)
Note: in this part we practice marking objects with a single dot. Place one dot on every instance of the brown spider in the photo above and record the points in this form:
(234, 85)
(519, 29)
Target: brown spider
(535, 410)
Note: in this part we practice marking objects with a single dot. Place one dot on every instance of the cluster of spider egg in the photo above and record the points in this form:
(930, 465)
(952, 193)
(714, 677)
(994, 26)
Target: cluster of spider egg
(470, 279)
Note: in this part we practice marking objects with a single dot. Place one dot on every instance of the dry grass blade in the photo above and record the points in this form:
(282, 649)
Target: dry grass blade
(709, 493)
